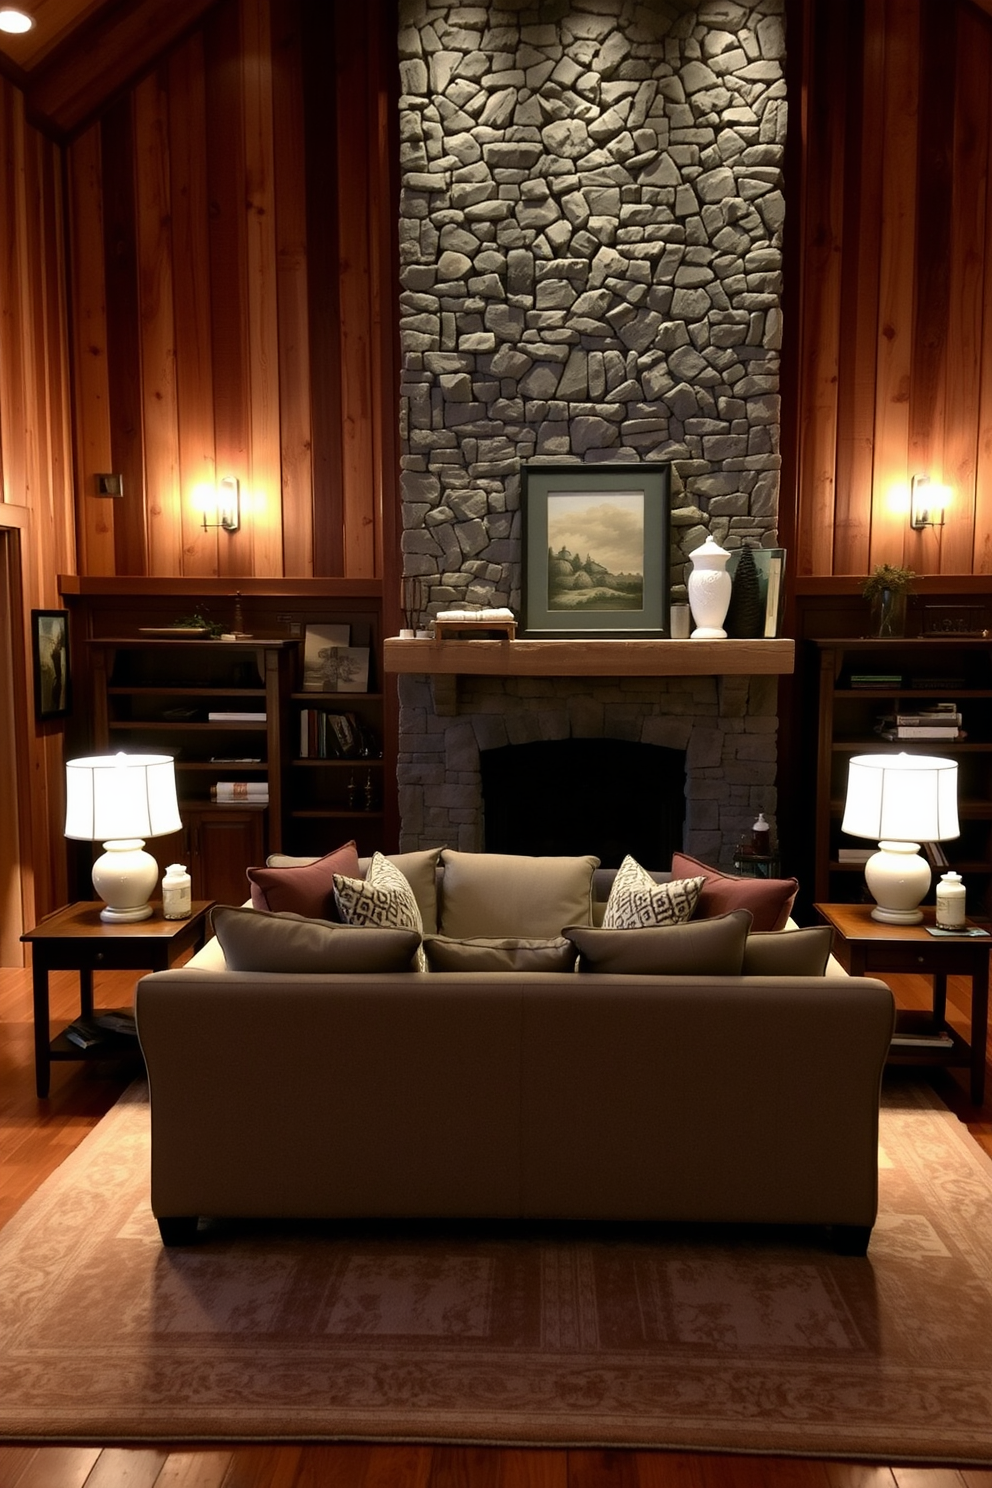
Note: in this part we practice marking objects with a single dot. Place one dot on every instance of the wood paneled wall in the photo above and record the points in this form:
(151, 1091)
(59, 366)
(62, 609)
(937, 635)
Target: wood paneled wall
(36, 516)
(892, 251)
(232, 299)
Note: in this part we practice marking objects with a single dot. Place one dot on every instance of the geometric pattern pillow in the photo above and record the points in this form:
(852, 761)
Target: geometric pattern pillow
(636, 900)
(382, 898)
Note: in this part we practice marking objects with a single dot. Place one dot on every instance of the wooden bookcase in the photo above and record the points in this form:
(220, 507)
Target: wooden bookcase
(930, 669)
(154, 693)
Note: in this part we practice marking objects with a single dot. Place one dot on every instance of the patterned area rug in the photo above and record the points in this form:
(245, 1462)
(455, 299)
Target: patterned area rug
(702, 1338)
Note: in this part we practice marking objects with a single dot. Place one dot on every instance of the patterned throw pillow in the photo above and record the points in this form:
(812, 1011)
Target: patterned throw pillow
(636, 900)
(382, 898)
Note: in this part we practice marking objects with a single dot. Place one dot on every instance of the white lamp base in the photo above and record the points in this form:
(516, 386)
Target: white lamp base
(124, 877)
(897, 878)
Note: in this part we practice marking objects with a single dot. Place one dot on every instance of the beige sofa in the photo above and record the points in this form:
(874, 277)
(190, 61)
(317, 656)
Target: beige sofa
(562, 1095)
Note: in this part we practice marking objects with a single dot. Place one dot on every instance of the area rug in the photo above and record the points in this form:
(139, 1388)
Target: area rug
(702, 1338)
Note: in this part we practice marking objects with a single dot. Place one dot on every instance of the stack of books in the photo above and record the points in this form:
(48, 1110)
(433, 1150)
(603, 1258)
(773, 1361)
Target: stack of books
(942, 722)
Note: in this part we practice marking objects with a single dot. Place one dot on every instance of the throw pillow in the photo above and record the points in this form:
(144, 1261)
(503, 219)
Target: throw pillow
(305, 888)
(789, 952)
(255, 940)
(382, 898)
(446, 954)
(636, 900)
(695, 948)
(496, 895)
(770, 900)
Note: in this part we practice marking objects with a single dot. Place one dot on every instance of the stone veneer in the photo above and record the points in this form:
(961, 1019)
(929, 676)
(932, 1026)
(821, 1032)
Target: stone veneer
(590, 252)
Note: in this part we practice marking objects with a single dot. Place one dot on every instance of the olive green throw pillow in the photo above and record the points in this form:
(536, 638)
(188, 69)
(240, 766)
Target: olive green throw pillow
(712, 947)
(497, 895)
(447, 954)
(788, 952)
(253, 940)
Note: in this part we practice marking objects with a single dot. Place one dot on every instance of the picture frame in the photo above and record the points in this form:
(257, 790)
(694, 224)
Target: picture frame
(596, 551)
(320, 646)
(770, 564)
(50, 652)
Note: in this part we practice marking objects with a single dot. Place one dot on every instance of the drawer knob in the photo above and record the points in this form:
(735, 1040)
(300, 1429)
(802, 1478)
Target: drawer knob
(98, 957)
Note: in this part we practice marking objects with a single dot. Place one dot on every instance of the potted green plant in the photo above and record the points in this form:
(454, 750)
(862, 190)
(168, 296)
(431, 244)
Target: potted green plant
(885, 589)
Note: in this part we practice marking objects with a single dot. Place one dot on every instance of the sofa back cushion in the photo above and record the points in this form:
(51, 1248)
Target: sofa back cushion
(712, 947)
(487, 954)
(770, 900)
(255, 940)
(789, 952)
(500, 895)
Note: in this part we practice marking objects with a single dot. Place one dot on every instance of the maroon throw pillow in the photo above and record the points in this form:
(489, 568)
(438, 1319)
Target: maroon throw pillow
(307, 889)
(770, 900)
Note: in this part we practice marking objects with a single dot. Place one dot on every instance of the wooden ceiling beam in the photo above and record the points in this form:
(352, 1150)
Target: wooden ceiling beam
(104, 56)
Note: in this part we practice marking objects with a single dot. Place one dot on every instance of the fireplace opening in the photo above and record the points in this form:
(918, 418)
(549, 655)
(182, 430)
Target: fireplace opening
(608, 797)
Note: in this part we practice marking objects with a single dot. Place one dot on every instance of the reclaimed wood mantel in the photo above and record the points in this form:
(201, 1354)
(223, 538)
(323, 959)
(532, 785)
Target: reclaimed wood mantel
(590, 658)
(446, 661)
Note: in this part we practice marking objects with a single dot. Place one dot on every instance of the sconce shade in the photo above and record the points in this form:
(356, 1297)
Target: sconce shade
(900, 800)
(904, 797)
(114, 796)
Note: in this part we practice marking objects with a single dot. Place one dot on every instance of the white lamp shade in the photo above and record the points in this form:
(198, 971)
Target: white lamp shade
(120, 796)
(902, 798)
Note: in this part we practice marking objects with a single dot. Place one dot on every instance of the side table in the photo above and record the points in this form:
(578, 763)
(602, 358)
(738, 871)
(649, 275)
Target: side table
(76, 939)
(864, 946)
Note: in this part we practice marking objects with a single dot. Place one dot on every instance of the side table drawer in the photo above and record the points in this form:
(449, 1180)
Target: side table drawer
(922, 958)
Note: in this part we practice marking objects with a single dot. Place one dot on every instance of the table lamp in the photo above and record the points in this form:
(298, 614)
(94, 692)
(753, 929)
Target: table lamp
(119, 800)
(900, 800)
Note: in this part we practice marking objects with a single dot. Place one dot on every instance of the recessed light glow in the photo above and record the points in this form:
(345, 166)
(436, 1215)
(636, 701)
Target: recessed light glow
(15, 21)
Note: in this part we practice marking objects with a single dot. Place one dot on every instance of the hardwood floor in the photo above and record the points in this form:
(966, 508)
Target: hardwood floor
(36, 1136)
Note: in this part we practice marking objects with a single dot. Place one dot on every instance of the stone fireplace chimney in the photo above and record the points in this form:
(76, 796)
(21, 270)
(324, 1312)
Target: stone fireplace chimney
(590, 249)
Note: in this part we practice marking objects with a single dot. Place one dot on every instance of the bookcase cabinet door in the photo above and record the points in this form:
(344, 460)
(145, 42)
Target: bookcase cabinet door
(218, 844)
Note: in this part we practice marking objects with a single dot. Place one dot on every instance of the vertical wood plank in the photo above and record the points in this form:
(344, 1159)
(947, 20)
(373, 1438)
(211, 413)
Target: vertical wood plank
(264, 517)
(191, 294)
(296, 431)
(859, 315)
(14, 414)
(153, 212)
(324, 288)
(966, 272)
(123, 336)
(226, 182)
(982, 552)
(890, 474)
(354, 165)
(827, 57)
(94, 514)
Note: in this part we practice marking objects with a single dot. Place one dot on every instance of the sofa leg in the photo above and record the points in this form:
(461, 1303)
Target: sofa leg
(178, 1229)
(851, 1240)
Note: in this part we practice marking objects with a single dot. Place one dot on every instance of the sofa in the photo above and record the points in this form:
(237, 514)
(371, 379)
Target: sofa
(731, 1093)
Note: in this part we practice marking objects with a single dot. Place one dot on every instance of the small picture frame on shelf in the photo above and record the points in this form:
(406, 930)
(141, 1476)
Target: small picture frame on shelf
(320, 656)
(770, 563)
(351, 671)
(50, 652)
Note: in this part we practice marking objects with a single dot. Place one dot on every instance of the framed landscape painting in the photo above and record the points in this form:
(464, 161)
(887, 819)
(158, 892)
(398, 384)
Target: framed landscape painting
(596, 540)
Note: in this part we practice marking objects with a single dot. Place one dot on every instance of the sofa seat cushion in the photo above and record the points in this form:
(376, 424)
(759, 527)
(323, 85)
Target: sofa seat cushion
(257, 940)
(305, 887)
(770, 900)
(502, 895)
(444, 953)
(636, 899)
(713, 947)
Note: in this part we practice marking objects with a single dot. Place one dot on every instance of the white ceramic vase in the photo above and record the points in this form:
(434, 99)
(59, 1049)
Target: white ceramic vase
(709, 591)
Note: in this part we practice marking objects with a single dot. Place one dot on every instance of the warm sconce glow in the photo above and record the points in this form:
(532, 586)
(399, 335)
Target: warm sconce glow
(15, 22)
(928, 501)
(220, 505)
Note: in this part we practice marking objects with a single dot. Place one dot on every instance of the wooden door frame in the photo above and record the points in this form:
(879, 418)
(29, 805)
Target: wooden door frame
(16, 885)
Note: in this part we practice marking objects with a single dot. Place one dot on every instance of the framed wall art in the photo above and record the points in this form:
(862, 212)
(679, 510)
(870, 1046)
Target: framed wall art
(596, 551)
(50, 649)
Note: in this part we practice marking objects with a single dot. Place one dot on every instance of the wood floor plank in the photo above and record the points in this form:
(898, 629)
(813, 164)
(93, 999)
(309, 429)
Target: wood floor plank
(13, 1462)
(263, 1467)
(602, 1469)
(203, 1467)
(59, 1467)
(927, 1477)
(127, 1467)
(466, 1466)
(859, 1475)
(521, 1467)
(407, 1466)
(342, 1465)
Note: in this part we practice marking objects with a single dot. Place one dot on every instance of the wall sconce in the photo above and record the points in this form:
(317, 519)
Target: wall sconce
(222, 506)
(926, 503)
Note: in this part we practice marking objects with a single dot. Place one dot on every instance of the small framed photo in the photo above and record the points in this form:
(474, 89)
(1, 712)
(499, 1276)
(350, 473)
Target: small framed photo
(50, 648)
(596, 559)
(320, 651)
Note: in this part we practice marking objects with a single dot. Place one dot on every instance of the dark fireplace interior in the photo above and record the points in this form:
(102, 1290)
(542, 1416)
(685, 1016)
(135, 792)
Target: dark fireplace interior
(608, 797)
